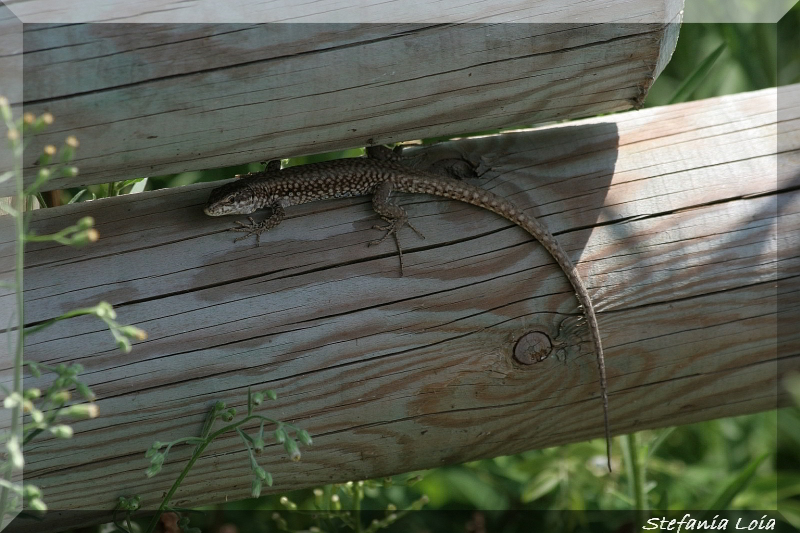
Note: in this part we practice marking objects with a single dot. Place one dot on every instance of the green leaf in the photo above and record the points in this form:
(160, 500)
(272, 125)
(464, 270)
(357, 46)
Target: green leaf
(541, 485)
(77, 196)
(694, 79)
(736, 485)
(139, 186)
(664, 435)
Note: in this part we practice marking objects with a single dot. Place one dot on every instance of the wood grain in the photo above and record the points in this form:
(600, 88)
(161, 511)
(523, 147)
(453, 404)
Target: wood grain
(670, 214)
(346, 11)
(157, 99)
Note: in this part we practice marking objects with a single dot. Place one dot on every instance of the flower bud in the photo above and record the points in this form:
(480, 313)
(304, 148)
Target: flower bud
(5, 109)
(32, 393)
(82, 410)
(104, 310)
(31, 491)
(12, 400)
(61, 431)
(255, 488)
(304, 437)
(417, 505)
(69, 171)
(291, 448)
(15, 452)
(260, 473)
(133, 332)
(47, 155)
(85, 223)
(153, 449)
(37, 505)
(61, 397)
(258, 445)
(36, 415)
(82, 238)
(124, 345)
(44, 120)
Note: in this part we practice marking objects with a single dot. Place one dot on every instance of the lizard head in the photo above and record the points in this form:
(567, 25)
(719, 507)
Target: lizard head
(235, 198)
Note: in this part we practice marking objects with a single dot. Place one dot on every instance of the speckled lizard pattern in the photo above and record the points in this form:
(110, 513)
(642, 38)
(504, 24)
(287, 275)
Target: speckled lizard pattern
(379, 175)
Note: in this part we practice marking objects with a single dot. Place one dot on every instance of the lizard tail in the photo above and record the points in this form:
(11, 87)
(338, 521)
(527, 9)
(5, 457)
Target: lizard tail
(464, 192)
(535, 228)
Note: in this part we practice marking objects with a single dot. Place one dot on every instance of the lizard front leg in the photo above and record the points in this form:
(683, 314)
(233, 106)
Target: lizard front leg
(394, 215)
(257, 228)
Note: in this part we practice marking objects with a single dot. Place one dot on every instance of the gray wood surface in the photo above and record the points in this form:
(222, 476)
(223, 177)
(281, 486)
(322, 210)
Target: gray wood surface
(154, 99)
(346, 11)
(669, 213)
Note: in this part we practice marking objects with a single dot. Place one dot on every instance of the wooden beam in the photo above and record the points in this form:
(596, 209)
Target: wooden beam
(346, 11)
(149, 100)
(669, 213)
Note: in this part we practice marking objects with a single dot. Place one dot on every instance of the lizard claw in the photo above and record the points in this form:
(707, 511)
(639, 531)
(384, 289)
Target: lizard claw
(253, 228)
(392, 227)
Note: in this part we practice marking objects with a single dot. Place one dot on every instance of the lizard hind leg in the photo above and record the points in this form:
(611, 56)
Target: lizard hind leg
(394, 216)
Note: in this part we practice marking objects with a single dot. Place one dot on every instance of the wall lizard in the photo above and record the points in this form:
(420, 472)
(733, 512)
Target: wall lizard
(379, 175)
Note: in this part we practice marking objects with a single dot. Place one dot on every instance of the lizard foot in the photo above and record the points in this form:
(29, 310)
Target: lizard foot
(253, 228)
(391, 228)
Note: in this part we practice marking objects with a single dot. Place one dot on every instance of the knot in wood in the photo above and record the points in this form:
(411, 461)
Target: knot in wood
(533, 347)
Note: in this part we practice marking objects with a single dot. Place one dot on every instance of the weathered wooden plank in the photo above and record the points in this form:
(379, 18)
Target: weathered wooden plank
(157, 99)
(655, 140)
(670, 214)
(345, 11)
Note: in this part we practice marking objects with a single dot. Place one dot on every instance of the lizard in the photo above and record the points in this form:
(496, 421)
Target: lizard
(379, 174)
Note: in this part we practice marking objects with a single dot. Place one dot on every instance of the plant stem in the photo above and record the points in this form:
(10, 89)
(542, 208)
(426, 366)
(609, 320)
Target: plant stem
(637, 477)
(359, 495)
(195, 456)
(18, 266)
